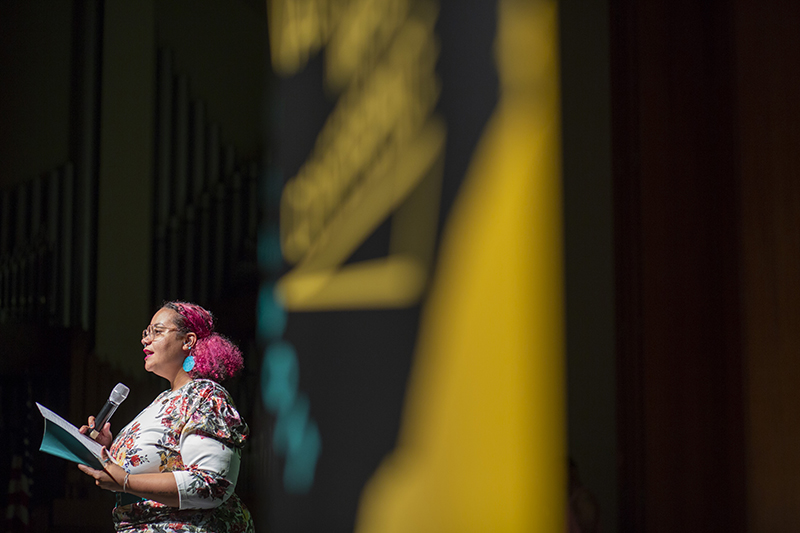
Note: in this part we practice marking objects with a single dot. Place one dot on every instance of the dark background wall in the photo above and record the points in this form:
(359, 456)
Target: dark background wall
(767, 49)
(706, 226)
(678, 230)
(589, 251)
(35, 61)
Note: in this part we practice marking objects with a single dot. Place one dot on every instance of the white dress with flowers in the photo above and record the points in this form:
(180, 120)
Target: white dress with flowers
(196, 433)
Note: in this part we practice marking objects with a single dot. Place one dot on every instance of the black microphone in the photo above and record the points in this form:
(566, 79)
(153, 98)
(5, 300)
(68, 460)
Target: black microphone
(117, 396)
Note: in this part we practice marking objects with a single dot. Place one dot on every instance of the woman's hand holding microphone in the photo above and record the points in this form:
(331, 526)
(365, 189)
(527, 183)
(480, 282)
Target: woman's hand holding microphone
(112, 477)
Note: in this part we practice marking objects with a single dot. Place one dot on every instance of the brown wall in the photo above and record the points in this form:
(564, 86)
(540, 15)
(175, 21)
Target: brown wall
(708, 249)
(768, 133)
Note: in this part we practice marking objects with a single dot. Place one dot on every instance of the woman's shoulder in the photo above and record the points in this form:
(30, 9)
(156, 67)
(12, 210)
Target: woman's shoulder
(206, 392)
(205, 387)
(212, 411)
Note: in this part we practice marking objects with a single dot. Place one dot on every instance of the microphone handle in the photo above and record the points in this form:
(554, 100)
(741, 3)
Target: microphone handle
(102, 417)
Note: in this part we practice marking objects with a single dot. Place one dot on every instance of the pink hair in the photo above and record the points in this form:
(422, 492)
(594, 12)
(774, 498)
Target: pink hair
(215, 356)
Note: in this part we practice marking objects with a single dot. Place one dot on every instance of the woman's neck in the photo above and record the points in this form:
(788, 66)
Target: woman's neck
(181, 379)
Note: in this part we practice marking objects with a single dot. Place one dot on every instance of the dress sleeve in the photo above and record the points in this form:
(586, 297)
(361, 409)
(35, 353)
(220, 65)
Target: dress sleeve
(210, 449)
(212, 469)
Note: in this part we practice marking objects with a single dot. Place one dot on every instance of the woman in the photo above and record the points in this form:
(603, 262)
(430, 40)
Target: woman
(174, 467)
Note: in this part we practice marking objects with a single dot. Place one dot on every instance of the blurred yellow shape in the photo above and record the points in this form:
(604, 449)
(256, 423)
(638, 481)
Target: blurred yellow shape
(482, 441)
(319, 282)
(298, 29)
(366, 29)
(379, 156)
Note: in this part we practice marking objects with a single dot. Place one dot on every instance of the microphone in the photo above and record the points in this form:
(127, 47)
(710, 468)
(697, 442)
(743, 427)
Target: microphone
(116, 397)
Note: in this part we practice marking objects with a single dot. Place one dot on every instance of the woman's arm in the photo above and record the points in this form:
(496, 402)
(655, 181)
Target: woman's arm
(212, 469)
(161, 488)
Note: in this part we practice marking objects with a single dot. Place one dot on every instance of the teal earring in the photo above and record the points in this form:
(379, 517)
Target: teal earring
(188, 363)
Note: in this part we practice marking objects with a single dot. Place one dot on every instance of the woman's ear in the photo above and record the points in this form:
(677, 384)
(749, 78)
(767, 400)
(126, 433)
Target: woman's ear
(190, 340)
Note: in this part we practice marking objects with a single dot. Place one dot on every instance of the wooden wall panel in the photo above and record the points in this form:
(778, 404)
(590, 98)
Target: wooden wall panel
(707, 125)
(768, 82)
(680, 392)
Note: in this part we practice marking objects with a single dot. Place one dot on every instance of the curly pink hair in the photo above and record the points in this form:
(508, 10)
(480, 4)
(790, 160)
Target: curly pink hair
(215, 356)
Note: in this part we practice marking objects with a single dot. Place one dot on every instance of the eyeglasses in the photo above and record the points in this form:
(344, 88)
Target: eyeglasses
(154, 332)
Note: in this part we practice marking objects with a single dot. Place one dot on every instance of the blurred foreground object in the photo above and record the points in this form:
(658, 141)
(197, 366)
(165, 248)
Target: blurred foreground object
(378, 157)
(482, 442)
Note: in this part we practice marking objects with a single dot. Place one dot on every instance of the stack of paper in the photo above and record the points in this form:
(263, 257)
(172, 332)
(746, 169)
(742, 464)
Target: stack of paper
(62, 439)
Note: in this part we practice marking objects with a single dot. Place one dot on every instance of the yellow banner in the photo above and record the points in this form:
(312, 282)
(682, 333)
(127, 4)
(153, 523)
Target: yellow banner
(482, 443)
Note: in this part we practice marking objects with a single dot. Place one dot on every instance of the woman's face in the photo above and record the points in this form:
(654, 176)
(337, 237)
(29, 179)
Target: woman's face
(165, 347)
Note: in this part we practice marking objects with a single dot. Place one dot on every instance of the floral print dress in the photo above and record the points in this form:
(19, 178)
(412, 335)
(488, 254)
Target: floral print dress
(196, 433)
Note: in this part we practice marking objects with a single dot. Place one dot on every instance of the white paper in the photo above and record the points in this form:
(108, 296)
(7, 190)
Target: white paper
(93, 446)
